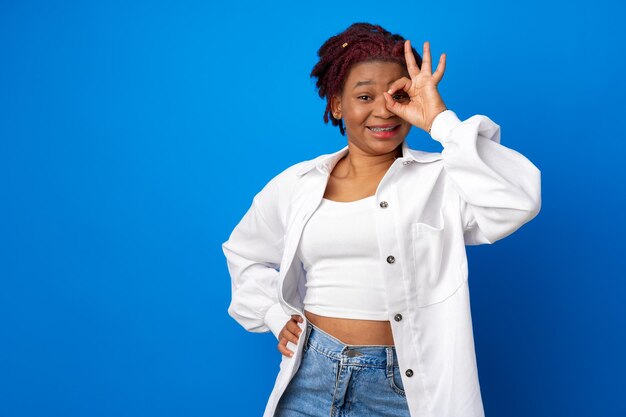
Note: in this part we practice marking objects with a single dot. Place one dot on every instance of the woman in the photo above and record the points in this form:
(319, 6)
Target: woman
(356, 260)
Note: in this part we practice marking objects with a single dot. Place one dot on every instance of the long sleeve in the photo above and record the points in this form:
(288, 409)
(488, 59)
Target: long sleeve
(253, 254)
(499, 188)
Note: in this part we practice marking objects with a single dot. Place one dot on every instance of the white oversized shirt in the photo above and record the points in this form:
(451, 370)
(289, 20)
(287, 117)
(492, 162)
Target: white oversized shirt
(430, 205)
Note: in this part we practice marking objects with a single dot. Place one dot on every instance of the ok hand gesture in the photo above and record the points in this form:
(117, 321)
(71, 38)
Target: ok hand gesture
(426, 103)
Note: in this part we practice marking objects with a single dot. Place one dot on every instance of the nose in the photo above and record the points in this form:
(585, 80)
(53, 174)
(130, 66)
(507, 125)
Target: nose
(381, 110)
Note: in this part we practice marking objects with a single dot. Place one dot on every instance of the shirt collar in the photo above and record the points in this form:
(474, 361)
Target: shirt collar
(325, 163)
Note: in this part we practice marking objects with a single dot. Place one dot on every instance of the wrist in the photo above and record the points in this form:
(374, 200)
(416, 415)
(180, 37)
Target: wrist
(443, 124)
(430, 125)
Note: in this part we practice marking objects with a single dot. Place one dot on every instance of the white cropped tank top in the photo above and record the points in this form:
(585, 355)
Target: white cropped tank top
(340, 255)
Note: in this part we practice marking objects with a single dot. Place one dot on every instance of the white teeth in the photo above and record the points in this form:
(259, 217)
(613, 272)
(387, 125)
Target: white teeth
(380, 129)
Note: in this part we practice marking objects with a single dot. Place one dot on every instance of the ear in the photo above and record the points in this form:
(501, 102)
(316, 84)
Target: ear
(335, 106)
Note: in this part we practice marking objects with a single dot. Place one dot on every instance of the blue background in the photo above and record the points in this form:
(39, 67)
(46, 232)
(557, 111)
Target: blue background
(133, 136)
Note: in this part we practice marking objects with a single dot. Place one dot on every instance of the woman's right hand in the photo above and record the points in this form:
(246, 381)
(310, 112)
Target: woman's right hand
(289, 333)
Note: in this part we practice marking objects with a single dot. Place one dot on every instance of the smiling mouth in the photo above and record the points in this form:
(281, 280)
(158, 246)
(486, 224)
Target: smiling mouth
(386, 129)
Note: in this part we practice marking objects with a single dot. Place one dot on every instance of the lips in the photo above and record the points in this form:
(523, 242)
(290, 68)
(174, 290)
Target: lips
(386, 127)
(385, 134)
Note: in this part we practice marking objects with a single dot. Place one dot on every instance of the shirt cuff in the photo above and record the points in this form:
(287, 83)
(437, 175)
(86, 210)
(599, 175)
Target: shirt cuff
(276, 318)
(442, 125)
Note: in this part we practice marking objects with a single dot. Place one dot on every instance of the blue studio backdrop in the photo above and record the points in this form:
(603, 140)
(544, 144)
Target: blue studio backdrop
(134, 134)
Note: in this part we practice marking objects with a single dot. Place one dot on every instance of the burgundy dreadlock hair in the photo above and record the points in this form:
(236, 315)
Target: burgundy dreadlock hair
(358, 43)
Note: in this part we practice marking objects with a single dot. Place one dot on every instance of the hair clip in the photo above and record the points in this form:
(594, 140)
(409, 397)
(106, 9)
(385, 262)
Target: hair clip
(344, 45)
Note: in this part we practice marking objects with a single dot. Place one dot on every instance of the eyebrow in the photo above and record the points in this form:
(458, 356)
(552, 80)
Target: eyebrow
(365, 82)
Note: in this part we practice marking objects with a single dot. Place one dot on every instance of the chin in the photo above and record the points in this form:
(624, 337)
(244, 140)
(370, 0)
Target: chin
(386, 145)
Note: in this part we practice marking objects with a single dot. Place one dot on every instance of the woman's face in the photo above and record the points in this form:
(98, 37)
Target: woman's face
(362, 107)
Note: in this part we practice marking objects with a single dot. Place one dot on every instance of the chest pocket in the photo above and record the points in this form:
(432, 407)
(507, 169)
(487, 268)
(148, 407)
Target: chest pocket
(436, 264)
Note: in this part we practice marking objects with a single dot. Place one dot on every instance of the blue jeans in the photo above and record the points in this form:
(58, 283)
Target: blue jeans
(335, 379)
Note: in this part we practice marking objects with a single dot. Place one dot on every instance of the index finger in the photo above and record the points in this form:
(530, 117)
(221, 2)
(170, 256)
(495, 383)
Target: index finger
(294, 328)
(411, 64)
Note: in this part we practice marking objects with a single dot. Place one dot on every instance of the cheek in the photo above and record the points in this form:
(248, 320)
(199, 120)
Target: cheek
(357, 117)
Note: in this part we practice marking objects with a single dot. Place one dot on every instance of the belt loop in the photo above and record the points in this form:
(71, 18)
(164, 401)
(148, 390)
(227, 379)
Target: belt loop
(389, 362)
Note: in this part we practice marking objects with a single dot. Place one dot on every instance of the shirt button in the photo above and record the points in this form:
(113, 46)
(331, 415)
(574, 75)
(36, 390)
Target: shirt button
(397, 317)
(383, 204)
(409, 372)
(390, 259)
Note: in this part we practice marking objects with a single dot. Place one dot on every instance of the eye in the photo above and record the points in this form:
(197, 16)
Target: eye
(397, 97)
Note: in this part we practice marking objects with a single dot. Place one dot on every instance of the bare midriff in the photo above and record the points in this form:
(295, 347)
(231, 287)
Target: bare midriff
(354, 331)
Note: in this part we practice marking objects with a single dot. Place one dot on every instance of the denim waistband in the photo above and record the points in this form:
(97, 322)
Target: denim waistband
(378, 356)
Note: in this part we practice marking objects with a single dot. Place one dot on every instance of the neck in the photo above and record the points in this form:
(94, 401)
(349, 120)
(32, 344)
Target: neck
(358, 164)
